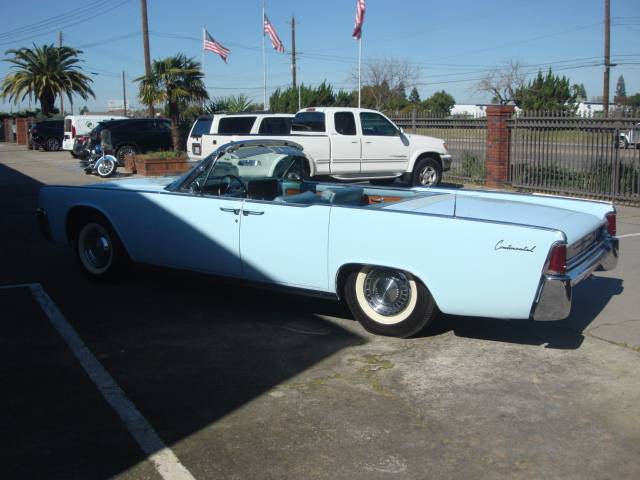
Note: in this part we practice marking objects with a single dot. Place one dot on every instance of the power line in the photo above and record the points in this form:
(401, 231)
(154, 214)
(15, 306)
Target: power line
(107, 7)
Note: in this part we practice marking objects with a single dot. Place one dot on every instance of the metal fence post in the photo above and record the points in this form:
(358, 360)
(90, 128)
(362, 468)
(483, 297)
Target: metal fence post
(414, 126)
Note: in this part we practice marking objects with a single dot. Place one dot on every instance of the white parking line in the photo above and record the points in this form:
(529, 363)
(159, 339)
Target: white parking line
(164, 460)
(629, 235)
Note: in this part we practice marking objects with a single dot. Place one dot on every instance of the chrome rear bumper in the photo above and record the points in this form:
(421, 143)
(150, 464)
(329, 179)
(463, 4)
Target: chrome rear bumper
(553, 301)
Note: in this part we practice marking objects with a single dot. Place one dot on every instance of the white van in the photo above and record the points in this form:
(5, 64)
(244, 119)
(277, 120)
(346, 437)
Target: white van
(75, 125)
(220, 127)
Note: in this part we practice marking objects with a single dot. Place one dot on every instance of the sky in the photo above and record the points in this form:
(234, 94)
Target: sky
(451, 44)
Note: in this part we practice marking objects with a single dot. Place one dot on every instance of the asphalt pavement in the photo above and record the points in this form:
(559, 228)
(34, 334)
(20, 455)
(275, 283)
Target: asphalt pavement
(232, 382)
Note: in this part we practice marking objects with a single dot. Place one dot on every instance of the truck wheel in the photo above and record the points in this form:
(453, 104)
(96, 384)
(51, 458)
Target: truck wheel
(389, 302)
(123, 151)
(426, 173)
(99, 250)
(52, 144)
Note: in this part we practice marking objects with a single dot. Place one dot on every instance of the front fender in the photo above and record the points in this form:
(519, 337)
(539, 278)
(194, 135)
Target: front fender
(423, 153)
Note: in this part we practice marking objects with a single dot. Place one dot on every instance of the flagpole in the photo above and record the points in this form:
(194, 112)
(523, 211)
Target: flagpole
(204, 75)
(264, 63)
(359, 68)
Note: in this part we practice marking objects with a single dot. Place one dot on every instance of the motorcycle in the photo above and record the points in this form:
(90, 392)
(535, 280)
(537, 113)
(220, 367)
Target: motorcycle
(99, 161)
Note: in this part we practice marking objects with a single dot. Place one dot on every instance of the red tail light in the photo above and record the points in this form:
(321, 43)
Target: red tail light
(557, 260)
(73, 131)
(611, 224)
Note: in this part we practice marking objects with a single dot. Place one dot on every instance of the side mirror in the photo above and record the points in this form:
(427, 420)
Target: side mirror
(400, 132)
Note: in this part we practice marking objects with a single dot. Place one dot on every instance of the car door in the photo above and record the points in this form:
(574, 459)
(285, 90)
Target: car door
(384, 149)
(199, 232)
(285, 243)
(345, 144)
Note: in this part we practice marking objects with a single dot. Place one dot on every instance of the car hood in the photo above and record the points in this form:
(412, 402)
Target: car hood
(423, 141)
(574, 224)
(146, 184)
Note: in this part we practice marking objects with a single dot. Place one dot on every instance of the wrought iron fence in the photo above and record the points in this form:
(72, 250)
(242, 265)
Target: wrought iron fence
(572, 155)
(466, 139)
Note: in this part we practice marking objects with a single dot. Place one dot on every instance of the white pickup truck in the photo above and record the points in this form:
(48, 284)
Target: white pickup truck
(210, 131)
(360, 144)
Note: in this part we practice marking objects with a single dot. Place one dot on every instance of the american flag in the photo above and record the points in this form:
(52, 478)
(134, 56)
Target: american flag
(276, 43)
(215, 47)
(360, 9)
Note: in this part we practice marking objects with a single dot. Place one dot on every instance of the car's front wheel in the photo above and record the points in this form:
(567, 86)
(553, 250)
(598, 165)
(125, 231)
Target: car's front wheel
(427, 173)
(388, 301)
(124, 151)
(99, 250)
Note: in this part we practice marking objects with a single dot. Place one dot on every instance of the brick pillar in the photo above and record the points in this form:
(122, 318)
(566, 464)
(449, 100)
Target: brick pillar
(21, 131)
(8, 130)
(497, 164)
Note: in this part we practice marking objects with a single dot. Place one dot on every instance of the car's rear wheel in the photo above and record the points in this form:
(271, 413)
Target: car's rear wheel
(388, 301)
(427, 173)
(52, 144)
(124, 151)
(99, 250)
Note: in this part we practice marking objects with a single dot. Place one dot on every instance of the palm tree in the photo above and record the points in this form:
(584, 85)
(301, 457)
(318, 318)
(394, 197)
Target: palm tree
(44, 72)
(175, 81)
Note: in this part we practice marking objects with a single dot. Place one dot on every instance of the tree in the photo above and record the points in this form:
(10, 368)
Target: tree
(286, 101)
(45, 72)
(414, 96)
(232, 103)
(580, 92)
(384, 82)
(502, 82)
(634, 101)
(621, 88)
(175, 81)
(546, 92)
(84, 110)
(440, 103)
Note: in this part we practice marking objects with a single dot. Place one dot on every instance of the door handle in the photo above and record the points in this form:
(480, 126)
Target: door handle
(368, 141)
(235, 211)
(354, 142)
(251, 212)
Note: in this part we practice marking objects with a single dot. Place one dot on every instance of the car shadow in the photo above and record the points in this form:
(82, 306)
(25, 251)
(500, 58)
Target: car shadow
(589, 299)
(186, 351)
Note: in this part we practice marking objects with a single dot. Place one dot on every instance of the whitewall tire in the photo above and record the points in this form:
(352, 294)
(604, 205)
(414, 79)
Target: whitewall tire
(389, 301)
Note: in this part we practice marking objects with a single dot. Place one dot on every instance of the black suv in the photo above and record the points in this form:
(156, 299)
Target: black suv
(135, 135)
(47, 134)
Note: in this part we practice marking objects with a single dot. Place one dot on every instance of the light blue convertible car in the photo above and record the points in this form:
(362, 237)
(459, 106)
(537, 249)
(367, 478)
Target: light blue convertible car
(252, 211)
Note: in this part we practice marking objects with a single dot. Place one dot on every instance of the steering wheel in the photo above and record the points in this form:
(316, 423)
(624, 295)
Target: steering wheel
(228, 190)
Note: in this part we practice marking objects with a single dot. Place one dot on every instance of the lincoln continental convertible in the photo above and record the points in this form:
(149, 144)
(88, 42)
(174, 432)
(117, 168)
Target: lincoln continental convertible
(254, 211)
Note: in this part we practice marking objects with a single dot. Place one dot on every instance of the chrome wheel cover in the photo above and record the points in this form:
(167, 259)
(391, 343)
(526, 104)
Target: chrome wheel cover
(428, 176)
(387, 291)
(96, 249)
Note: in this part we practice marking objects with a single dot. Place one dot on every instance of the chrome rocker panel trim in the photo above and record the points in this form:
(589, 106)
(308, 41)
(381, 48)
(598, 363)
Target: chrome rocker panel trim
(553, 301)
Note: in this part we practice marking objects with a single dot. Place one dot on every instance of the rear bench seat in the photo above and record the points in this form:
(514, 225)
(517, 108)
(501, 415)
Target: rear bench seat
(332, 196)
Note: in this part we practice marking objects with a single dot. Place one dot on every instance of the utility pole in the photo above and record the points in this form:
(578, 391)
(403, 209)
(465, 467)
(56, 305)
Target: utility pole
(124, 95)
(61, 92)
(145, 42)
(607, 64)
(293, 51)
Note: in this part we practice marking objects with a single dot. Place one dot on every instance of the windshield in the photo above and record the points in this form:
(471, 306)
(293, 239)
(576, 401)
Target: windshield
(239, 170)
